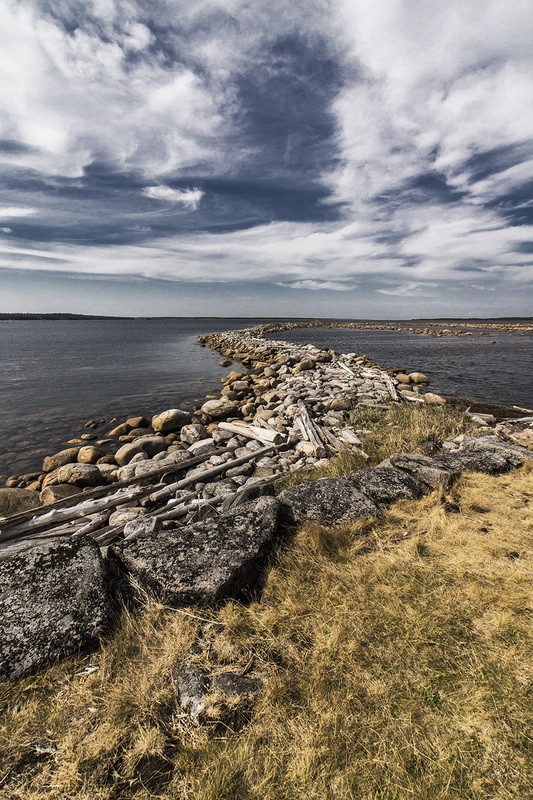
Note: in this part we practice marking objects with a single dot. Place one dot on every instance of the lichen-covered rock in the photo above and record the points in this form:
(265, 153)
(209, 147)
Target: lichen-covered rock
(205, 562)
(53, 601)
(171, 420)
(193, 433)
(13, 501)
(330, 501)
(385, 485)
(486, 454)
(428, 470)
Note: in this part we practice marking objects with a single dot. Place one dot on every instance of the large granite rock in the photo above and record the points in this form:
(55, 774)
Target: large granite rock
(171, 420)
(53, 601)
(206, 562)
(151, 445)
(330, 501)
(13, 501)
(384, 485)
(428, 470)
(486, 454)
(80, 475)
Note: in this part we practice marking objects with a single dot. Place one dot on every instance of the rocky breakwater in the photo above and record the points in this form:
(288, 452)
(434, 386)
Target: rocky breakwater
(183, 505)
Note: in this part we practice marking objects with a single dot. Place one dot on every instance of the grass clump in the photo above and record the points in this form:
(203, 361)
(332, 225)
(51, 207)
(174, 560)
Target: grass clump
(384, 431)
(396, 656)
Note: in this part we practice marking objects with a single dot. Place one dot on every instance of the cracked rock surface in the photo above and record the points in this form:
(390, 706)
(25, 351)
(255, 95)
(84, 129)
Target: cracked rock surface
(53, 601)
(206, 562)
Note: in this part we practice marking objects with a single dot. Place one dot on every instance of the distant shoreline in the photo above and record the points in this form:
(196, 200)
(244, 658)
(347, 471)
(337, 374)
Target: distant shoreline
(6, 317)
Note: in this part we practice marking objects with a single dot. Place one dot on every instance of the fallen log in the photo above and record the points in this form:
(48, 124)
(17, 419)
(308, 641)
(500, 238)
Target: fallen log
(391, 388)
(100, 491)
(55, 516)
(209, 473)
(260, 434)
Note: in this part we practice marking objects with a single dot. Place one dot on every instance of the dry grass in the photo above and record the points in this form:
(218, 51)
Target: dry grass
(396, 429)
(396, 655)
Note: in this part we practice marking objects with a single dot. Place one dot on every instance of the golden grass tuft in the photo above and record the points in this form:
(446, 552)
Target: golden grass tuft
(396, 429)
(396, 654)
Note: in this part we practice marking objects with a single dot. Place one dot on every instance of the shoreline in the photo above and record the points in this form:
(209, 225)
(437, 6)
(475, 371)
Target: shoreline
(247, 347)
(279, 377)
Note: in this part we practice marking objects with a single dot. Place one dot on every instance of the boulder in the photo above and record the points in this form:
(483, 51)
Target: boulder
(80, 475)
(193, 433)
(202, 563)
(401, 377)
(13, 501)
(428, 470)
(304, 365)
(418, 377)
(137, 422)
(123, 515)
(384, 485)
(90, 454)
(330, 501)
(436, 399)
(219, 409)
(486, 454)
(171, 420)
(51, 494)
(53, 601)
(68, 456)
(150, 445)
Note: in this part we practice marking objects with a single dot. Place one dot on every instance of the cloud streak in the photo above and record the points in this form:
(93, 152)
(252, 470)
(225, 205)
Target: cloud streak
(317, 146)
(189, 198)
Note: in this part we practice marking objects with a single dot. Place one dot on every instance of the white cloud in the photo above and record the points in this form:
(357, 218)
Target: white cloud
(6, 230)
(439, 83)
(318, 286)
(11, 212)
(190, 198)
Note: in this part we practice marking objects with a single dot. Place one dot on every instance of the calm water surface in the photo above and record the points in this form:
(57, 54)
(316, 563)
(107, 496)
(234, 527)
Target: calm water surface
(57, 374)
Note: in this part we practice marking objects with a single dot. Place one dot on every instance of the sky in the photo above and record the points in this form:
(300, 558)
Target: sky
(323, 158)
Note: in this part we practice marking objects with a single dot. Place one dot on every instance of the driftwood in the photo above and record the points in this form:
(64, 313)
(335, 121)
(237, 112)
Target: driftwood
(310, 430)
(101, 491)
(167, 491)
(346, 369)
(55, 516)
(391, 388)
(264, 435)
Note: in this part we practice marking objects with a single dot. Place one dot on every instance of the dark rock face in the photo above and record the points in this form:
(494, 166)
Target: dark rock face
(53, 600)
(486, 454)
(330, 501)
(206, 562)
(425, 469)
(232, 684)
(384, 485)
(13, 501)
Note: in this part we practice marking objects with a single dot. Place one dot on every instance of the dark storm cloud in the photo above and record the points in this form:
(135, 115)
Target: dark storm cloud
(317, 145)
